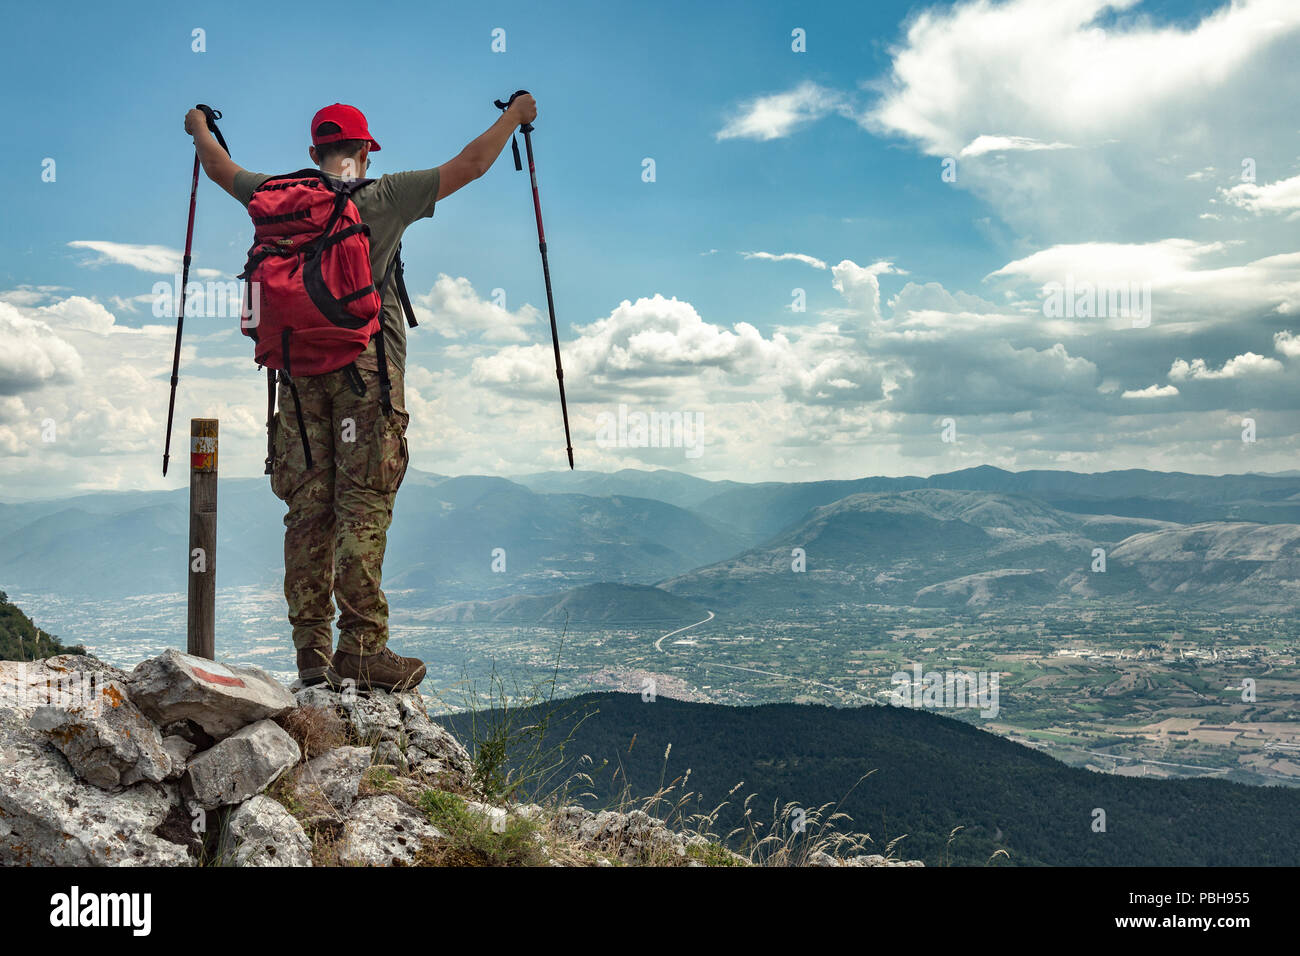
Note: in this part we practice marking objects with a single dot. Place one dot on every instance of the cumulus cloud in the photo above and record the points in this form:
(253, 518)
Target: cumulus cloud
(1134, 97)
(970, 66)
(32, 355)
(1152, 391)
(1287, 344)
(1241, 366)
(78, 312)
(1280, 196)
(454, 309)
(973, 376)
(860, 285)
(642, 341)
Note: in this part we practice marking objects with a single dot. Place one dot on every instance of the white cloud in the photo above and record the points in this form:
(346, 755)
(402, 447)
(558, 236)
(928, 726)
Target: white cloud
(1243, 365)
(1152, 391)
(777, 115)
(639, 341)
(1002, 144)
(787, 257)
(26, 295)
(1139, 100)
(1281, 196)
(160, 260)
(860, 285)
(1160, 263)
(1187, 291)
(453, 308)
(78, 312)
(1046, 69)
(32, 354)
(1287, 343)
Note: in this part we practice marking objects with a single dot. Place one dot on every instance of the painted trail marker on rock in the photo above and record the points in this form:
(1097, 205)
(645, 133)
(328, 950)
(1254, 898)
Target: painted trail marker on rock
(201, 624)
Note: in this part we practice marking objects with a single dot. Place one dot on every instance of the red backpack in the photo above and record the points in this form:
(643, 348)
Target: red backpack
(317, 302)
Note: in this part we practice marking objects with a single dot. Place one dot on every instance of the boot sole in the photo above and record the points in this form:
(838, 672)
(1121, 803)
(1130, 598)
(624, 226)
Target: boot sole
(320, 675)
(364, 684)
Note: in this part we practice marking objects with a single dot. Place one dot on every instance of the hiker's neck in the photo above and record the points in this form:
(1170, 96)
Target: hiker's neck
(345, 167)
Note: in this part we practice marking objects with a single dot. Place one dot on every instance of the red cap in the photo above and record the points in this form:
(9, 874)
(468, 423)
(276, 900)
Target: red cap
(351, 123)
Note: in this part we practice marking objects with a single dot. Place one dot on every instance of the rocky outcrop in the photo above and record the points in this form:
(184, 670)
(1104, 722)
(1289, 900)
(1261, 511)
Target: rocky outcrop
(186, 761)
(220, 698)
(106, 739)
(260, 832)
(48, 817)
(384, 831)
(179, 750)
(399, 733)
(634, 836)
(241, 766)
(820, 858)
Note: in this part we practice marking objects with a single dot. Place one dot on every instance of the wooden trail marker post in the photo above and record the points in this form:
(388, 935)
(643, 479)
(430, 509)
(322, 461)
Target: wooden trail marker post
(201, 623)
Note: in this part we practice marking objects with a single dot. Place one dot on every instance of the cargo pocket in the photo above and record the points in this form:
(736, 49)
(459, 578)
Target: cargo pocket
(289, 465)
(390, 454)
(281, 484)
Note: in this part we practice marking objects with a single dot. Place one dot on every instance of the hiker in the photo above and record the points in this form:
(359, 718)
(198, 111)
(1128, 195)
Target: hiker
(340, 492)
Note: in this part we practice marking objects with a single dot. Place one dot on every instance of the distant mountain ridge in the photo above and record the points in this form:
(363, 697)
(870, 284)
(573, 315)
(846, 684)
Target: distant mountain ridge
(762, 509)
(971, 537)
(971, 548)
(589, 604)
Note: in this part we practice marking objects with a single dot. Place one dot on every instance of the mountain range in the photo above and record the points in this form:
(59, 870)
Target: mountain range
(482, 548)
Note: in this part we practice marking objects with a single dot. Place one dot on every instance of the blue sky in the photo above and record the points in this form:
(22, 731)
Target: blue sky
(1092, 142)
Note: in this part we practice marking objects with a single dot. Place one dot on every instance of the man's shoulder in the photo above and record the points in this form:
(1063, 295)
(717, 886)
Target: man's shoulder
(246, 182)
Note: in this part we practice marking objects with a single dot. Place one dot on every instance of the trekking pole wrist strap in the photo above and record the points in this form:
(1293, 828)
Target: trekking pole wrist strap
(213, 116)
(523, 128)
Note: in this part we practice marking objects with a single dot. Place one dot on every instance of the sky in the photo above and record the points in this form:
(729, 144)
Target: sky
(835, 240)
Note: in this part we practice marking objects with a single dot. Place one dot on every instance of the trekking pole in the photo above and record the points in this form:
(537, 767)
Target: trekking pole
(527, 130)
(213, 116)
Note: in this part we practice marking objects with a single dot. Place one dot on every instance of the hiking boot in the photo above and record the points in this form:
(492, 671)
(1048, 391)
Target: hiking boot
(315, 667)
(380, 671)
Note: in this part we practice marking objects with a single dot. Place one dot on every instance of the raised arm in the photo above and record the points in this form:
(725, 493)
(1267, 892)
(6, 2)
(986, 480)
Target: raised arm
(477, 158)
(220, 168)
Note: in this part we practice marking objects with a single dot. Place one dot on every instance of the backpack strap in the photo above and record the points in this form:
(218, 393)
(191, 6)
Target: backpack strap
(293, 390)
(352, 375)
(270, 420)
(385, 386)
(401, 289)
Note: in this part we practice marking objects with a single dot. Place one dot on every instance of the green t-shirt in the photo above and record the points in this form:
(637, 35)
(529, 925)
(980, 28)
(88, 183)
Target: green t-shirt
(388, 205)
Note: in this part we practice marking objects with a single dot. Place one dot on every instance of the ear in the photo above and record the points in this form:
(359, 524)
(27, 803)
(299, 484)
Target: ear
(315, 157)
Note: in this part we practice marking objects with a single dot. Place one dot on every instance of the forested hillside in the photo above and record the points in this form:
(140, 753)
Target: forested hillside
(928, 775)
(21, 640)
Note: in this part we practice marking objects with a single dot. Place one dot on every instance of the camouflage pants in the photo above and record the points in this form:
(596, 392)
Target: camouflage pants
(336, 528)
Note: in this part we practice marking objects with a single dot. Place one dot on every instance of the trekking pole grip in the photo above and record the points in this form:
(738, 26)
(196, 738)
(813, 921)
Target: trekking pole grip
(524, 128)
(213, 116)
